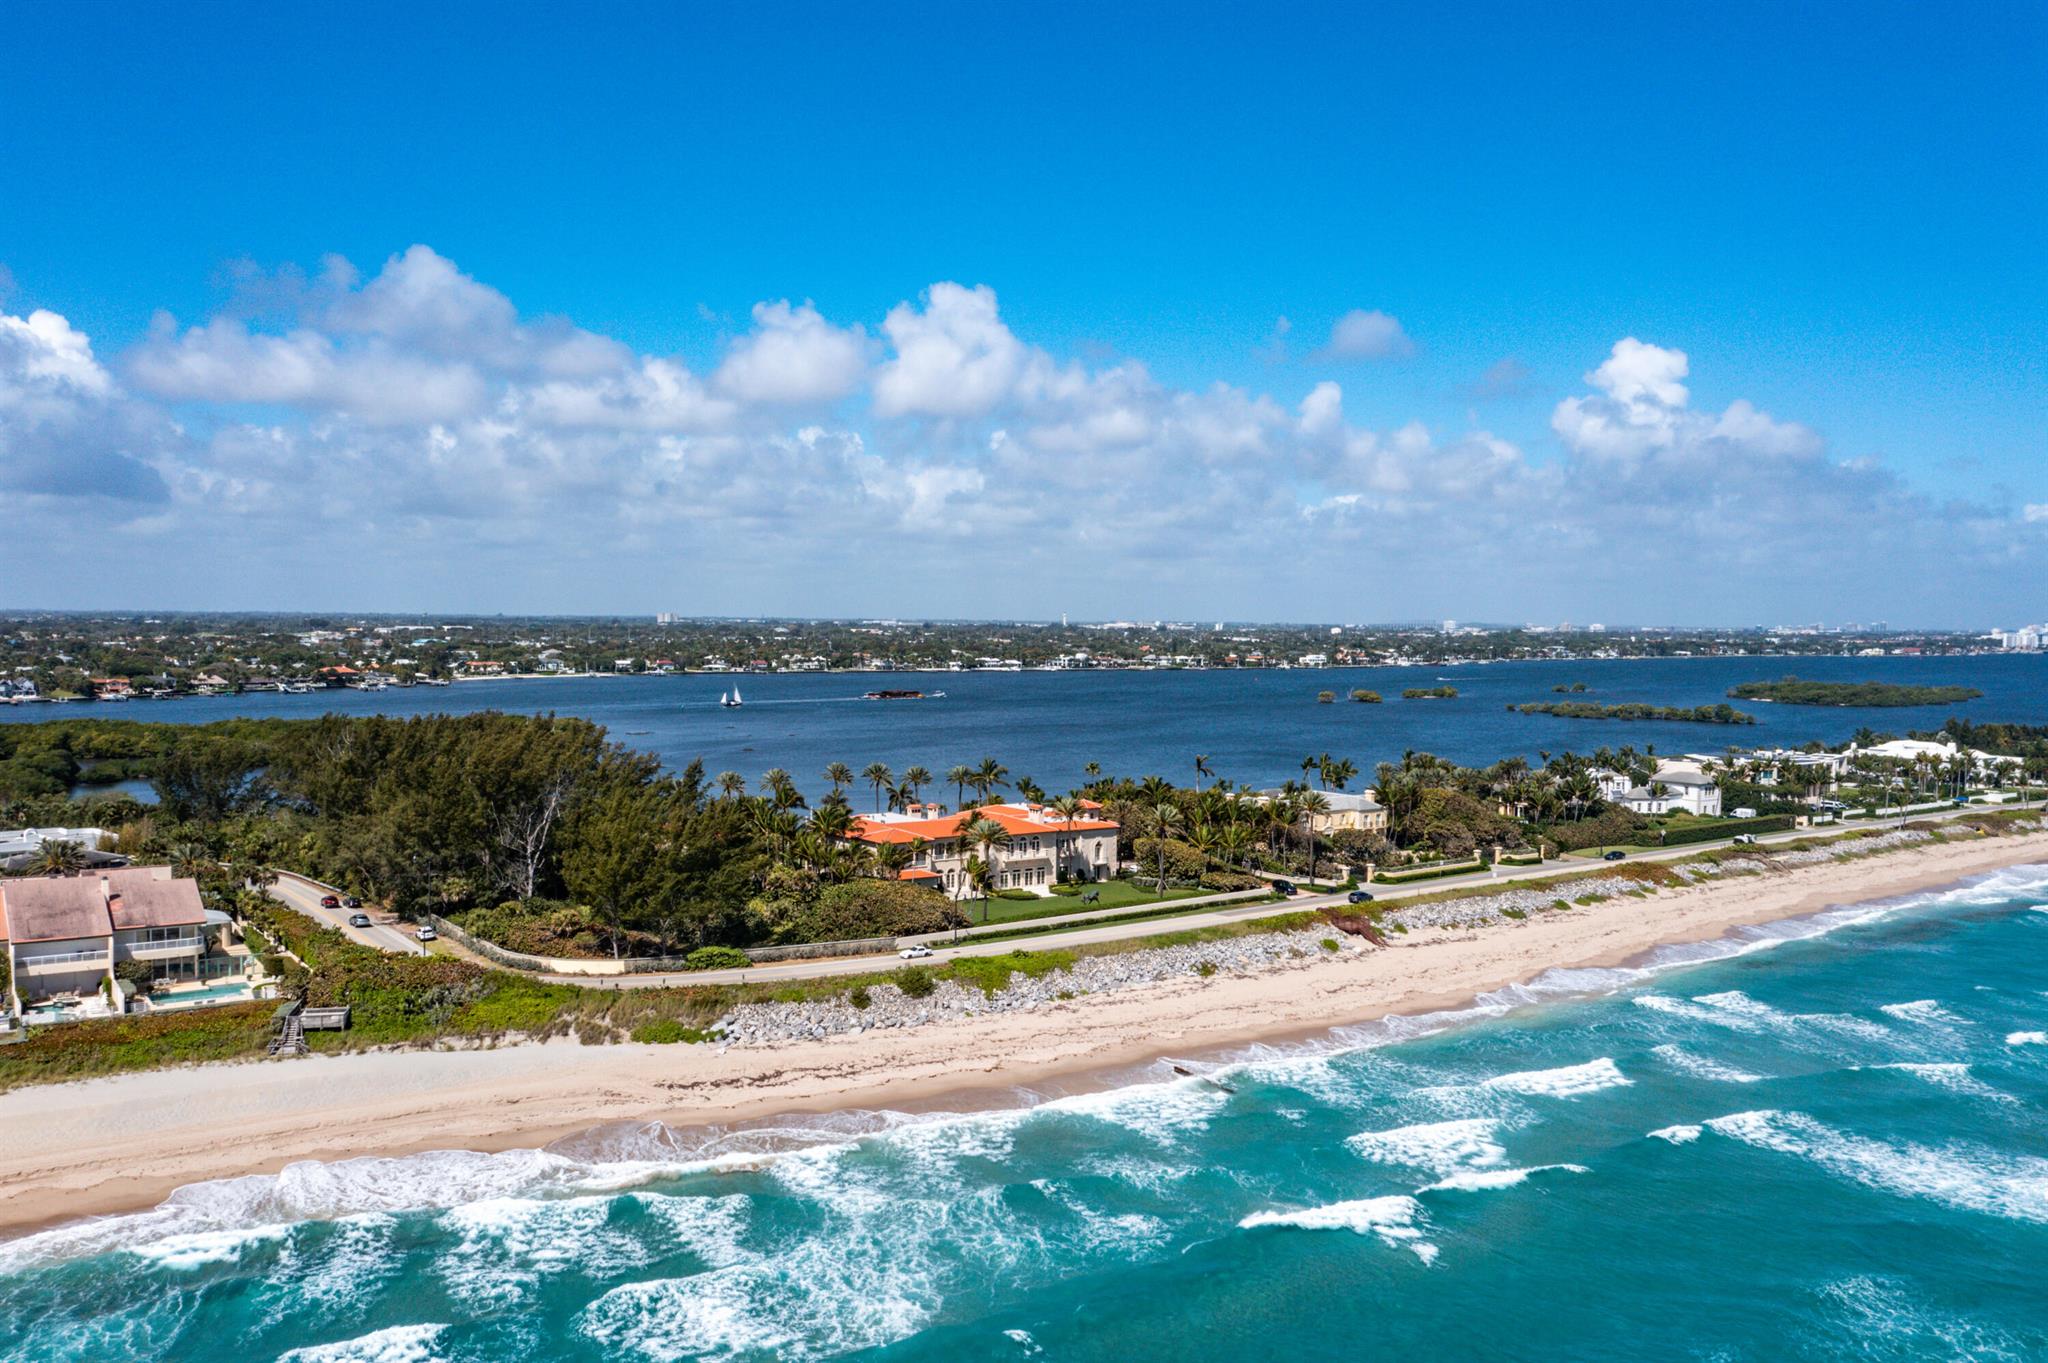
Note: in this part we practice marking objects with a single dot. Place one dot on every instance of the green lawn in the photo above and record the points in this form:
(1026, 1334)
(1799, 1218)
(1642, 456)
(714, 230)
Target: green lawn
(1116, 894)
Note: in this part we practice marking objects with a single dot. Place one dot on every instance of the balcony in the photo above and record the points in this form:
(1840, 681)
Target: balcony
(61, 960)
(164, 948)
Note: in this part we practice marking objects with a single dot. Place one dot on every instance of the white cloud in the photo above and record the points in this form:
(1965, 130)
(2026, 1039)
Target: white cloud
(793, 356)
(1642, 408)
(1368, 335)
(44, 349)
(525, 464)
(955, 358)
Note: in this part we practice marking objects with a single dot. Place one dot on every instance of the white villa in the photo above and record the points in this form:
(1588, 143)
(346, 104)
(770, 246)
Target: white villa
(1675, 786)
(1044, 847)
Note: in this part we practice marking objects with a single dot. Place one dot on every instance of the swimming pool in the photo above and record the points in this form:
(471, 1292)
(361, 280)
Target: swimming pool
(235, 991)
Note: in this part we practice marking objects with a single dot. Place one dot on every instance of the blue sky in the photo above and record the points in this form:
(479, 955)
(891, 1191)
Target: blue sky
(1833, 217)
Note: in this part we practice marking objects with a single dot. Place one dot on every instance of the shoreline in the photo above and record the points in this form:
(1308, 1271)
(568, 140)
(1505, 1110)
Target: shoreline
(124, 1143)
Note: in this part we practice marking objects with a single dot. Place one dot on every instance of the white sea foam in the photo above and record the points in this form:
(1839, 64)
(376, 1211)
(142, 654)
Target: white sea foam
(313, 1190)
(1392, 1219)
(207, 1246)
(1677, 1135)
(1703, 1067)
(2026, 1038)
(397, 1344)
(1023, 1339)
(1693, 1012)
(1953, 1076)
(1569, 1081)
(1486, 1180)
(1923, 1013)
(1971, 1178)
(1888, 1319)
(1159, 1112)
(1439, 1147)
(508, 1245)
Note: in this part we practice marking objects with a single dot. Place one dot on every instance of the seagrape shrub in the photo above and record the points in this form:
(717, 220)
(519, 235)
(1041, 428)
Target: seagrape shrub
(1183, 863)
(1611, 825)
(1221, 880)
(716, 958)
(871, 908)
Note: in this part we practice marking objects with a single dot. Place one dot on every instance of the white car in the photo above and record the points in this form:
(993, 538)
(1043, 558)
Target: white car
(915, 953)
(425, 934)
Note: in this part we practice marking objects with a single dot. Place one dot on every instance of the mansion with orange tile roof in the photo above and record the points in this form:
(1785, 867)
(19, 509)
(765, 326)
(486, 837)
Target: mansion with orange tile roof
(1044, 847)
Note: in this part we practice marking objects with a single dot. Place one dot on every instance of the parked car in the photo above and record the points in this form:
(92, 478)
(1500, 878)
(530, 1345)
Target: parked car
(1745, 839)
(1615, 855)
(1283, 887)
(425, 934)
(917, 951)
(328, 901)
(1359, 897)
(359, 920)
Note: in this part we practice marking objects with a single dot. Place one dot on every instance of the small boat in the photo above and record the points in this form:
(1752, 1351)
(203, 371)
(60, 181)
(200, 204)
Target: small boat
(897, 695)
(731, 700)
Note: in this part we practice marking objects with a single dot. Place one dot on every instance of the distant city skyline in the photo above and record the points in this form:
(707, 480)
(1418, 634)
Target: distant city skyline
(1182, 321)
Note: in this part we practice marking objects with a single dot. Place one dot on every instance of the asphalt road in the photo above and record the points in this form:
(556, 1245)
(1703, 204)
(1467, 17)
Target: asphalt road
(385, 935)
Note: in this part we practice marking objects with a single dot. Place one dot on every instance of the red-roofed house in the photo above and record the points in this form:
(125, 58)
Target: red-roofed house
(65, 934)
(1043, 848)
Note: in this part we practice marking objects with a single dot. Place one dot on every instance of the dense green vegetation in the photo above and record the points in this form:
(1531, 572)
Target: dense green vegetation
(1430, 693)
(1698, 714)
(1793, 691)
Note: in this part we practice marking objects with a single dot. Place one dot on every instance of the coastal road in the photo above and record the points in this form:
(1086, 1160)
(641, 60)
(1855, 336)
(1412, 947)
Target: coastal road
(1565, 868)
(304, 895)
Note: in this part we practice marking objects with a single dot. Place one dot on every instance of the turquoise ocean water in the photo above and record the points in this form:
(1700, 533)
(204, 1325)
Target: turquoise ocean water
(1823, 1140)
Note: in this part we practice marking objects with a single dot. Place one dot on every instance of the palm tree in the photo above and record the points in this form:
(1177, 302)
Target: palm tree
(990, 775)
(1202, 772)
(986, 837)
(1337, 773)
(1068, 807)
(960, 774)
(839, 774)
(1030, 790)
(1234, 843)
(1165, 815)
(915, 779)
(1093, 771)
(1313, 805)
(773, 780)
(57, 857)
(877, 774)
(731, 785)
(832, 819)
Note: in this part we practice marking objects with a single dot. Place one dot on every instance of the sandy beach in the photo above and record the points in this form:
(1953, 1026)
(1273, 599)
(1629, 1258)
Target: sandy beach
(122, 1143)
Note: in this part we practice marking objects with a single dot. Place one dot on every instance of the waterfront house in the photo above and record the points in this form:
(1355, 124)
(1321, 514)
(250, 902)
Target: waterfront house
(65, 934)
(1675, 788)
(1043, 849)
(1348, 809)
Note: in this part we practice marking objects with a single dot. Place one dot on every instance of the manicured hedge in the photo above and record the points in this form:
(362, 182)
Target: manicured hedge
(1709, 831)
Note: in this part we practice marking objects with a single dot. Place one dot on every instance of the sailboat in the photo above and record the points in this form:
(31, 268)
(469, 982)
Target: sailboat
(731, 700)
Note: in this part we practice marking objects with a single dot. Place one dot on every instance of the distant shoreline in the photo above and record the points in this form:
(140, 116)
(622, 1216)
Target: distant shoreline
(123, 1143)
